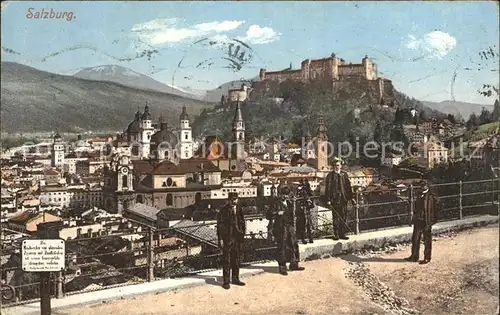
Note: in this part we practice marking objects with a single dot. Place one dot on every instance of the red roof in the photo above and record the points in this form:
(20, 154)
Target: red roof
(166, 167)
(51, 172)
(24, 217)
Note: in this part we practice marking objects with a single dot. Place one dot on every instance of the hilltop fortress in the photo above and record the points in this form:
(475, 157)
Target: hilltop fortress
(333, 70)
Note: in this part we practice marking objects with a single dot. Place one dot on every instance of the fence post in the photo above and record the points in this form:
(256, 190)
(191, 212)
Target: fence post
(150, 261)
(412, 205)
(59, 286)
(357, 212)
(460, 195)
(493, 191)
(294, 201)
(498, 191)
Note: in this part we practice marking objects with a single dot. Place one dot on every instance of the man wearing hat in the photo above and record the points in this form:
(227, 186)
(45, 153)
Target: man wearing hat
(303, 214)
(231, 228)
(338, 192)
(424, 217)
(282, 216)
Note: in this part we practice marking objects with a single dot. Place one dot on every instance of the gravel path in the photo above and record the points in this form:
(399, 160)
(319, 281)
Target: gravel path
(378, 291)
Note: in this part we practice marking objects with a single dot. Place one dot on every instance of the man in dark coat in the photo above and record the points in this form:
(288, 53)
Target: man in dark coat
(281, 213)
(304, 206)
(424, 217)
(231, 228)
(338, 192)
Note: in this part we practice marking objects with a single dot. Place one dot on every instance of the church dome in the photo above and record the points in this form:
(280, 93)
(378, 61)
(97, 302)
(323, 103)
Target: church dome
(134, 126)
(164, 135)
(184, 115)
(146, 115)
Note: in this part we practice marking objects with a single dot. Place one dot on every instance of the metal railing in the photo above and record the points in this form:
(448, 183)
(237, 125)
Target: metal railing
(145, 254)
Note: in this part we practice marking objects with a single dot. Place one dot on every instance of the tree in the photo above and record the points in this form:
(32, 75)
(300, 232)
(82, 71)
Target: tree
(488, 61)
(472, 122)
(451, 118)
(495, 115)
(485, 117)
(422, 116)
(398, 134)
(377, 134)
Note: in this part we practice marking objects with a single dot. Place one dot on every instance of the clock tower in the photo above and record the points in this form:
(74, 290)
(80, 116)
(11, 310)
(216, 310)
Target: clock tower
(124, 175)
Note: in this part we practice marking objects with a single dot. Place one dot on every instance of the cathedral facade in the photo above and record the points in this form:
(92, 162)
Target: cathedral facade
(148, 141)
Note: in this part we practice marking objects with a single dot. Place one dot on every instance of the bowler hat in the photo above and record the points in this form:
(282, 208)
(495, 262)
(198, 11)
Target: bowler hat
(285, 190)
(232, 195)
(337, 160)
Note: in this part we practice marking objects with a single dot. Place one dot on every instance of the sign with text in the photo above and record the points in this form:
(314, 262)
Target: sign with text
(43, 255)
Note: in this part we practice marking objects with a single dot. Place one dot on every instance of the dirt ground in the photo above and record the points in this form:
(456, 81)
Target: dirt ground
(462, 278)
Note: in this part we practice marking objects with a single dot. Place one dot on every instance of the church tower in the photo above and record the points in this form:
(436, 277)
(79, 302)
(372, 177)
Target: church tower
(322, 145)
(238, 144)
(124, 175)
(57, 156)
(146, 130)
(307, 151)
(186, 136)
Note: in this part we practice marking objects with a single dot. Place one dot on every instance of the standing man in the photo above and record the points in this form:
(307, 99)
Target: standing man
(304, 206)
(281, 213)
(338, 192)
(231, 228)
(424, 217)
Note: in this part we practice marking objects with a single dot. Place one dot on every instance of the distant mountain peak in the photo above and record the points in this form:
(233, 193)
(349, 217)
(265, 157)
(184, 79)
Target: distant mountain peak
(111, 70)
(131, 78)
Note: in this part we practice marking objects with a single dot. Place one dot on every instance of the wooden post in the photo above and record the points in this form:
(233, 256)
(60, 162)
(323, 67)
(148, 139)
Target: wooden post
(59, 288)
(45, 293)
(493, 191)
(460, 196)
(412, 203)
(45, 285)
(357, 212)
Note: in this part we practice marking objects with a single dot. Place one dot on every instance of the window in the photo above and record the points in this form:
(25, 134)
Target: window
(124, 181)
(139, 199)
(170, 200)
(186, 136)
(169, 182)
(197, 197)
(135, 150)
(185, 154)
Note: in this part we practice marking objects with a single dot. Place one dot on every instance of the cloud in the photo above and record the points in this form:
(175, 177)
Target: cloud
(435, 44)
(260, 35)
(168, 31)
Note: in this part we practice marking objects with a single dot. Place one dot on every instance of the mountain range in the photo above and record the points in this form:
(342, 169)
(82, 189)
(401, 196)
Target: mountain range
(34, 101)
(128, 77)
(458, 108)
(45, 101)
